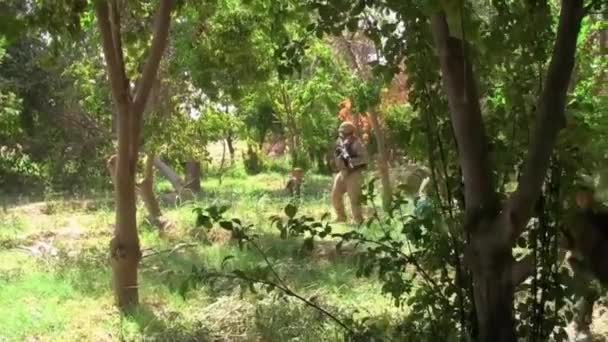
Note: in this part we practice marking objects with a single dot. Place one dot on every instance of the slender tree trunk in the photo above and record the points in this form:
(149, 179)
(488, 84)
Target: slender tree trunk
(293, 150)
(222, 162)
(146, 191)
(145, 188)
(193, 176)
(125, 250)
(170, 174)
(230, 145)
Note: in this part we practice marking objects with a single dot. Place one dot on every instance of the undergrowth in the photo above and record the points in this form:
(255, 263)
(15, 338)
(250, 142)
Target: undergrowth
(55, 281)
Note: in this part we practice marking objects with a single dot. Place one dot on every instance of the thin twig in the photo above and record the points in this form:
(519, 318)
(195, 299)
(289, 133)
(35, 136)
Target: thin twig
(172, 250)
(274, 272)
(285, 290)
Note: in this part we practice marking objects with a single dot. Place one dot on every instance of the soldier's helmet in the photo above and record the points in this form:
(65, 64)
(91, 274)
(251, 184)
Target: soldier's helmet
(346, 128)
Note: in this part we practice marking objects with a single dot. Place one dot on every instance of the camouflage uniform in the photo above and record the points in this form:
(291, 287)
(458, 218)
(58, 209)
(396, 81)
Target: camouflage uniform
(350, 174)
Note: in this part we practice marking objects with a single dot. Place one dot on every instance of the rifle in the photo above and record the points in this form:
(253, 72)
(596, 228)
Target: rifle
(342, 153)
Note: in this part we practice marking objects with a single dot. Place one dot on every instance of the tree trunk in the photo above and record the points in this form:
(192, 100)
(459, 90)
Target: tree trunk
(222, 162)
(494, 230)
(193, 176)
(125, 250)
(490, 260)
(293, 150)
(603, 47)
(146, 192)
(230, 145)
(145, 189)
(170, 174)
(383, 166)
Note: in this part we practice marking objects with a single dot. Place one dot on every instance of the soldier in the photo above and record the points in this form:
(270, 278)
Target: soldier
(586, 238)
(351, 160)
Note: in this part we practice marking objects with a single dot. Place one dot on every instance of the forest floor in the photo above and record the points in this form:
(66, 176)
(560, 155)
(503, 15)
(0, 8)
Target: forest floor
(55, 281)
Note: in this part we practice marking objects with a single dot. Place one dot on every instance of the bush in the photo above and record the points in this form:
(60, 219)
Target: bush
(17, 170)
(253, 161)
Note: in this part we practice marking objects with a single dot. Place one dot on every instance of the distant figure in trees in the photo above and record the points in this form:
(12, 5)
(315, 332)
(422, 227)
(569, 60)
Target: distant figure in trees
(294, 182)
(586, 239)
(350, 159)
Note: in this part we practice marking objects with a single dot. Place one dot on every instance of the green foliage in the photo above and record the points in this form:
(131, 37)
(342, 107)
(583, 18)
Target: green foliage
(205, 217)
(230, 72)
(230, 51)
(252, 160)
(259, 116)
(303, 225)
(367, 94)
(403, 127)
(509, 48)
(307, 106)
(17, 170)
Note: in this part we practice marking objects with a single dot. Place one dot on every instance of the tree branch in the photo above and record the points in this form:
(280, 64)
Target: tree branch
(159, 43)
(522, 269)
(115, 70)
(550, 115)
(114, 16)
(463, 100)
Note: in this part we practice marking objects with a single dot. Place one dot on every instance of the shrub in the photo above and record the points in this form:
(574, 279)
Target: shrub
(253, 161)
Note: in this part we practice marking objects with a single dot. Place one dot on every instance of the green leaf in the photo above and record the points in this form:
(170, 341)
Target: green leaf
(226, 259)
(227, 225)
(291, 210)
(325, 216)
(223, 209)
(203, 220)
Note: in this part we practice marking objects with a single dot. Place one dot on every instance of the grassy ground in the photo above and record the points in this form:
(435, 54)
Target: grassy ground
(55, 283)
